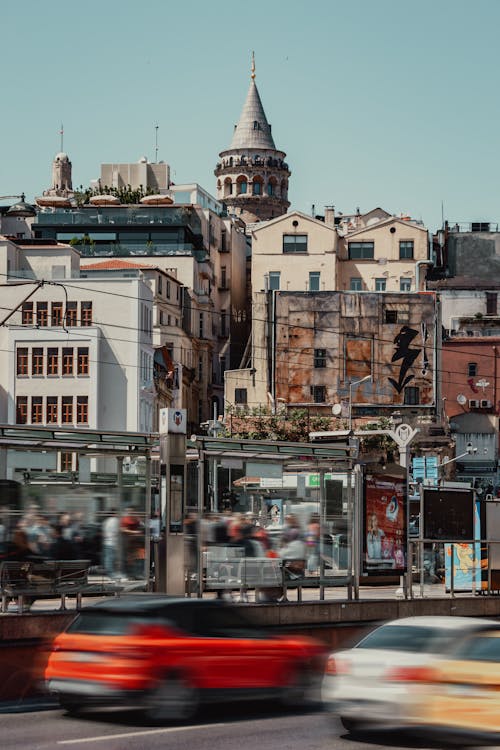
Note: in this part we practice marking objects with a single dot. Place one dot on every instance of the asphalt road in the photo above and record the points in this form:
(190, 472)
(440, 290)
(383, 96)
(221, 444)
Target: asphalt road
(224, 728)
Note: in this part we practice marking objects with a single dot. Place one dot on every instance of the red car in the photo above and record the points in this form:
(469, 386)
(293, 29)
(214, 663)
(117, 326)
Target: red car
(167, 654)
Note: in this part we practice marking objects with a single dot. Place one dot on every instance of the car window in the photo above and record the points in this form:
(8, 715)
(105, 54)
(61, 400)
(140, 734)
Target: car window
(479, 648)
(225, 622)
(405, 638)
(107, 623)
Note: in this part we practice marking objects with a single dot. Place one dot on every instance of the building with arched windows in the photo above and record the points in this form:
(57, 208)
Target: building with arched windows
(252, 175)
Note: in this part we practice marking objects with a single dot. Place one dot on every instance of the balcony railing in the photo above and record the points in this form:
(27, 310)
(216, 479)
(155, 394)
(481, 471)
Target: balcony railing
(126, 215)
(110, 249)
(473, 226)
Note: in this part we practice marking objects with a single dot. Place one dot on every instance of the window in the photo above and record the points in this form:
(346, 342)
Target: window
(66, 461)
(242, 187)
(412, 396)
(472, 369)
(27, 314)
(201, 322)
(361, 250)
(200, 369)
(67, 361)
(86, 313)
(318, 393)
(52, 361)
(257, 187)
(223, 277)
(320, 358)
(160, 285)
(274, 280)
(391, 316)
(314, 280)
(21, 410)
(356, 284)
(380, 285)
(270, 188)
(67, 409)
(82, 409)
(406, 249)
(42, 314)
(36, 410)
(168, 290)
(295, 243)
(57, 313)
(83, 361)
(404, 285)
(37, 361)
(22, 361)
(491, 303)
(71, 314)
(240, 395)
(52, 416)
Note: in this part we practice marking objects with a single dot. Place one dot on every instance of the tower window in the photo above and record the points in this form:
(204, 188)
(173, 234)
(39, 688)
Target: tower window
(472, 369)
(255, 125)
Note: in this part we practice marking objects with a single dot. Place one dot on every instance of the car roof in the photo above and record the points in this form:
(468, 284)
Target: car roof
(149, 603)
(446, 621)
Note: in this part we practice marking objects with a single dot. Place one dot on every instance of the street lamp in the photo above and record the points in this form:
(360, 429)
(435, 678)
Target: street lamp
(356, 382)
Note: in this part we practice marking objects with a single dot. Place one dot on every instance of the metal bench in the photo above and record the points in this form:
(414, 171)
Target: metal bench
(26, 581)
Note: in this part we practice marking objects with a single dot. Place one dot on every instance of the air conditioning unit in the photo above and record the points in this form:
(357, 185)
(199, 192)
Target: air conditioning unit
(485, 404)
(474, 403)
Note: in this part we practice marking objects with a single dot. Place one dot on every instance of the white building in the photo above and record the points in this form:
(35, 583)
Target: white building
(77, 353)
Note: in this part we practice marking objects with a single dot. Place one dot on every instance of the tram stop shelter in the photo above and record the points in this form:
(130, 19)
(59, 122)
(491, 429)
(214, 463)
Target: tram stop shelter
(94, 492)
(322, 465)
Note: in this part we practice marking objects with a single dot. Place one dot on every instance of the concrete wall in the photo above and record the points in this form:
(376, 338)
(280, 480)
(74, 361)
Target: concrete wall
(24, 639)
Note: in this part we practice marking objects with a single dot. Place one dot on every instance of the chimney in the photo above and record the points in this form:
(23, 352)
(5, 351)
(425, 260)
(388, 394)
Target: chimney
(330, 216)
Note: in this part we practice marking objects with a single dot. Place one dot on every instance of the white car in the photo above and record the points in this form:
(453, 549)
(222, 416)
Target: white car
(375, 683)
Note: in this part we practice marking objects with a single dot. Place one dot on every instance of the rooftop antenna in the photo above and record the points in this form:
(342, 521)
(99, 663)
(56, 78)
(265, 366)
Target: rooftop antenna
(156, 143)
(253, 67)
(61, 133)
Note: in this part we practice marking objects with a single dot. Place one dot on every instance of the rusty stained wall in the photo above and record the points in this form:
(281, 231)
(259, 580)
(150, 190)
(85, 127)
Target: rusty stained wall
(352, 328)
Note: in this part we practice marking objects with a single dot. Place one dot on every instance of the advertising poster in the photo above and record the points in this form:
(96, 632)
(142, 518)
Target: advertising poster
(465, 559)
(274, 512)
(384, 538)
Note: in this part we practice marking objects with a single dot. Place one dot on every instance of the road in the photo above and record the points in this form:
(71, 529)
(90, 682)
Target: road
(226, 728)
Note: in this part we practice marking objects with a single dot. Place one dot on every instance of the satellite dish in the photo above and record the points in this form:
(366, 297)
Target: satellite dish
(461, 399)
(336, 409)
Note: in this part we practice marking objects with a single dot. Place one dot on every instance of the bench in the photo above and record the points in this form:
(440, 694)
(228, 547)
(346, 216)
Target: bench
(227, 569)
(26, 581)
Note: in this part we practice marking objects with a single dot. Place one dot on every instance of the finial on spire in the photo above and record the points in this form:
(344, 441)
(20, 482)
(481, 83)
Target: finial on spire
(253, 66)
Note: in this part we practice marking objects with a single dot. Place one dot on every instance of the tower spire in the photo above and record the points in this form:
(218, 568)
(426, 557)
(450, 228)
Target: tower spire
(61, 133)
(253, 67)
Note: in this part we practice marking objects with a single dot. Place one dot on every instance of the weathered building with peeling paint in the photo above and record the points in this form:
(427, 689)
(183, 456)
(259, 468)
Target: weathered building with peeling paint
(311, 349)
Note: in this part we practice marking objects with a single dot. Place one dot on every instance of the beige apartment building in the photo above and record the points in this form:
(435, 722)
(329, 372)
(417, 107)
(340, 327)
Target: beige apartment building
(382, 253)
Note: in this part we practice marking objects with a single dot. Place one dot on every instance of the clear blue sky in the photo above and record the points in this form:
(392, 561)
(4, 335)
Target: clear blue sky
(377, 103)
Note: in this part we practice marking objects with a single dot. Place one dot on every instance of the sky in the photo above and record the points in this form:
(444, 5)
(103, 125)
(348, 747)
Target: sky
(376, 103)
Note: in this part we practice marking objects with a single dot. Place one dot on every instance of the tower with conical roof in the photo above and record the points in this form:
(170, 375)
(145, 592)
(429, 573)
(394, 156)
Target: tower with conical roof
(252, 175)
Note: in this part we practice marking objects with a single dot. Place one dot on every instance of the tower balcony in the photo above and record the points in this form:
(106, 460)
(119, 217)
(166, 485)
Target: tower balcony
(252, 166)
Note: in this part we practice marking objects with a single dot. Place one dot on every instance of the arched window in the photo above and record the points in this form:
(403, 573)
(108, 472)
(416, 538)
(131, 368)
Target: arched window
(228, 186)
(242, 185)
(257, 186)
(255, 125)
(230, 161)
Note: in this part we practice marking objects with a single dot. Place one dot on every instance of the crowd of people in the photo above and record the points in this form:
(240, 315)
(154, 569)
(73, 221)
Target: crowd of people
(115, 545)
(290, 542)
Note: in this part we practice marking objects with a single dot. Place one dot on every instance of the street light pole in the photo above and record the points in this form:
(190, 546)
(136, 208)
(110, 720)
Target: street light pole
(356, 382)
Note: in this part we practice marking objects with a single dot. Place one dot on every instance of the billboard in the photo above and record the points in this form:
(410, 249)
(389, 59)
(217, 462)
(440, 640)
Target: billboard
(448, 515)
(384, 537)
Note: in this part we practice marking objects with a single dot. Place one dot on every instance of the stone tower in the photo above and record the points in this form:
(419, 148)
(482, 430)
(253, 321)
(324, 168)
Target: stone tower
(252, 176)
(61, 176)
